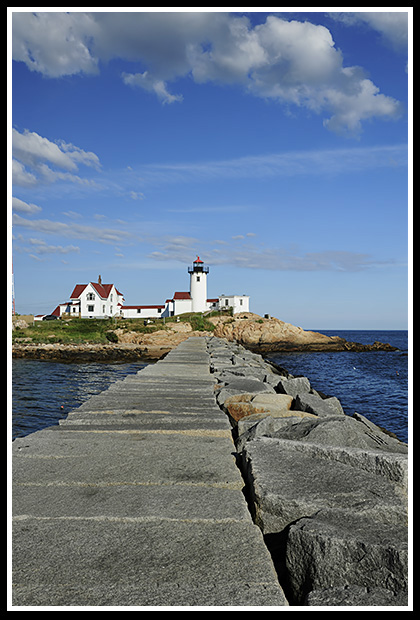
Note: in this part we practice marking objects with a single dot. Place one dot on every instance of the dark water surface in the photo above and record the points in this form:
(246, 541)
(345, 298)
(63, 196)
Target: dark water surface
(375, 384)
(44, 391)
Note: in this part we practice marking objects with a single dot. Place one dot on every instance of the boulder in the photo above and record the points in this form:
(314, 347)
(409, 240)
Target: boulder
(246, 404)
(230, 372)
(291, 480)
(312, 403)
(354, 596)
(238, 385)
(266, 425)
(293, 385)
(340, 549)
(341, 431)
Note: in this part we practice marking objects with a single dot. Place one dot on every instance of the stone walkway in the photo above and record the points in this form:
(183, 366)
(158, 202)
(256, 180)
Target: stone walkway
(135, 500)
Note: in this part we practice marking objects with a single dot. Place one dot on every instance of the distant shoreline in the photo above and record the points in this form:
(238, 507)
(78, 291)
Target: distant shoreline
(132, 340)
(129, 351)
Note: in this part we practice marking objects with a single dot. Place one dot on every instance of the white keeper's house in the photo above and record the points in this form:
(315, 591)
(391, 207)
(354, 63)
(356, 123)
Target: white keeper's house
(97, 300)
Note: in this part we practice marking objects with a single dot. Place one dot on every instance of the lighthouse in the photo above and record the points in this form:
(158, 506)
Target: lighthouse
(198, 285)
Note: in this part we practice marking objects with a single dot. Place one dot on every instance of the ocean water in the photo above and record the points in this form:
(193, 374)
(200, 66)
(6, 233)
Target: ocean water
(44, 391)
(375, 384)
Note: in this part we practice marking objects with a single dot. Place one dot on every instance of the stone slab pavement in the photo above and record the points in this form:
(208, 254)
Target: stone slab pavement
(135, 499)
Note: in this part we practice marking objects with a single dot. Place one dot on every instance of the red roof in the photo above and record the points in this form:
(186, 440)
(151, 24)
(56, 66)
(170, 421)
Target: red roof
(179, 295)
(139, 307)
(78, 290)
(197, 260)
(103, 290)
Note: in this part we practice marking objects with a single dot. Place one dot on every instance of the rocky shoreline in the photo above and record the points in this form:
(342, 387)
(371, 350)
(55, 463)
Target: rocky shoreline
(328, 490)
(256, 334)
(153, 352)
(89, 352)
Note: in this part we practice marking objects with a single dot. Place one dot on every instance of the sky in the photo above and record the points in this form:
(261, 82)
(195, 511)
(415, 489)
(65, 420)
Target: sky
(274, 145)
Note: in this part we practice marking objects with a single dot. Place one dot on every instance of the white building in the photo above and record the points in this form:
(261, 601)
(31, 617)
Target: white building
(239, 303)
(194, 300)
(140, 312)
(92, 301)
(97, 300)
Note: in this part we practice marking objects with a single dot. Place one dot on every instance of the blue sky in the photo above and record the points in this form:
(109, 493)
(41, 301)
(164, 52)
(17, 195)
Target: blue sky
(276, 146)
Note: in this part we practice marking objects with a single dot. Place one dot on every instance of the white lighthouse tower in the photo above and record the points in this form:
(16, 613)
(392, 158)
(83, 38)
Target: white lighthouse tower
(198, 285)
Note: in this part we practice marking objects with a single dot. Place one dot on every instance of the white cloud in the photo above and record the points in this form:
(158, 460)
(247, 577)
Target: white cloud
(289, 61)
(23, 207)
(44, 248)
(36, 159)
(288, 164)
(136, 195)
(248, 256)
(392, 26)
(55, 44)
(21, 176)
(73, 230)
(151, 84)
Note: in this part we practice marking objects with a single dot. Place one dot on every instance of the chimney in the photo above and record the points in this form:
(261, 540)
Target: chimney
(99, 280)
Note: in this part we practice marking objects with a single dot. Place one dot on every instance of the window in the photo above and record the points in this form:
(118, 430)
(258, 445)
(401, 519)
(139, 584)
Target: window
(90, 296)
(90, 308)
(159, 310)
(103, 309)
(226, 302)
(241, 302)
(138, 310)
(198, 278)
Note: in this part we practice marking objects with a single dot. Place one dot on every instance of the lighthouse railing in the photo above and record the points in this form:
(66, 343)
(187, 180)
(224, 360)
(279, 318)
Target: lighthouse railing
(198, 269)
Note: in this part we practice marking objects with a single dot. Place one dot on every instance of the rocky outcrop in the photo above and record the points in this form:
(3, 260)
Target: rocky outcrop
(327, 489)
(269, 335)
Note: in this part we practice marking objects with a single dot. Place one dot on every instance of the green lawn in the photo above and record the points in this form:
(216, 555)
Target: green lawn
(99, 331)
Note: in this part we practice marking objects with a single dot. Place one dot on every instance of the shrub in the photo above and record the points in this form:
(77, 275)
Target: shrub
(111, 336)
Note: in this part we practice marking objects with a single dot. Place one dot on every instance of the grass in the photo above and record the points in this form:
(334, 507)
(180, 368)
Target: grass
(98, 331)
(74, 331)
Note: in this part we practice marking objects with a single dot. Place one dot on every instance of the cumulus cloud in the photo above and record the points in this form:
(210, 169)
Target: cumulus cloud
(293, 62)
(36, 159)
(55, 44)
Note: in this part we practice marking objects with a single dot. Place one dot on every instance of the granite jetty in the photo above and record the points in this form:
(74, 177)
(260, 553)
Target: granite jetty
(211, 478)
(135, 499)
